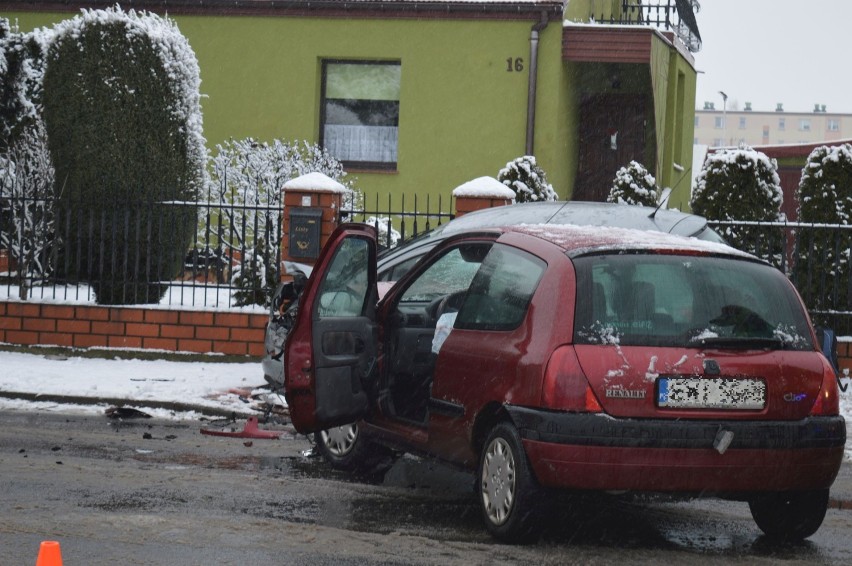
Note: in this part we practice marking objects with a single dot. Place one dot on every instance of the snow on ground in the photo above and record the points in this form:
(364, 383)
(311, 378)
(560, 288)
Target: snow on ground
(202, 384)
(216, 385)
(178, 295)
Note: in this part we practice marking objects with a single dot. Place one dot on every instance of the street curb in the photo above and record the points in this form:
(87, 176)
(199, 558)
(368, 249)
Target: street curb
(167, 405)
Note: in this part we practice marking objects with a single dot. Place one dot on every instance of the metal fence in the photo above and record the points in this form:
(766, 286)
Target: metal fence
(396, 221)
(69, 251)
(73, 251)
(816, 258)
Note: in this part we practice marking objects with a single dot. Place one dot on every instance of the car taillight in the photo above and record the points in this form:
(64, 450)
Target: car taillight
(827, 402)
(565, 385)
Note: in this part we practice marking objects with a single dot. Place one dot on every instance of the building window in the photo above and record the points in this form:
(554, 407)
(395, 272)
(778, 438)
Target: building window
(766, 131)
(833, 125)
(359, 122)
(717, 142)
(781, 123)
(805, 125)
(720, 122)
(696, 121)
(742, 122)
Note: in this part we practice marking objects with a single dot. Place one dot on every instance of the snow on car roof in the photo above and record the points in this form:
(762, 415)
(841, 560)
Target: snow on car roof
(571, 237)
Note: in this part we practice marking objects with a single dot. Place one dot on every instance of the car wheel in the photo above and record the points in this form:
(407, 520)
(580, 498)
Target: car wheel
(344, 449)
(507, 492)
(789, 515)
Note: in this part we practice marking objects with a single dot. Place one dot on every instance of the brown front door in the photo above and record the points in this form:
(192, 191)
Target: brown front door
(612, 133)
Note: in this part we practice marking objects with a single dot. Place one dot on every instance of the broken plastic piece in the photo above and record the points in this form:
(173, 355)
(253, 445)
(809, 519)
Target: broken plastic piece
(250, 430)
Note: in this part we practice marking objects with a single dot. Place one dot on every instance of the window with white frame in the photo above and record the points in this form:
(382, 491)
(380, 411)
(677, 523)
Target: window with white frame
(833, 125)
(359, 121)
(742, 122)
(719, 122)
(781, 123)
(805, 125)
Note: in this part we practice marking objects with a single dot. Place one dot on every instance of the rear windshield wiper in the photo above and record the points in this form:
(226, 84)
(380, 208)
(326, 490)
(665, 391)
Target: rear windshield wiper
(740, 342)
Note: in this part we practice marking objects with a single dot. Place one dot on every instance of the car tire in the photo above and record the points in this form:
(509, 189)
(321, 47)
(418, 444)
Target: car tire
(345, 449)
(789, 515)
(507, 491)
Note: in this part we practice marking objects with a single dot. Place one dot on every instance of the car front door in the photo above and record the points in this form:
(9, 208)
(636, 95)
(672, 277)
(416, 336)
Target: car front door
(330, 354)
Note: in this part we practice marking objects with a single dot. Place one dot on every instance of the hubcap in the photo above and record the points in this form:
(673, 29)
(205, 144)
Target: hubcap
(340, 440)
(498, 481)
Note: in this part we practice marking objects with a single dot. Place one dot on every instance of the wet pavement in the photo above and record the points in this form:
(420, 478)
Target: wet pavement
(159, 492)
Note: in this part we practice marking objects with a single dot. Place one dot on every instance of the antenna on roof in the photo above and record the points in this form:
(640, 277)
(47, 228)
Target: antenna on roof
(664, 198)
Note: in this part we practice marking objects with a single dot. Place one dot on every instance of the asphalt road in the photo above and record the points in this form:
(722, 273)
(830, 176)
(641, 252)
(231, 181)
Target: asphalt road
(147, 492)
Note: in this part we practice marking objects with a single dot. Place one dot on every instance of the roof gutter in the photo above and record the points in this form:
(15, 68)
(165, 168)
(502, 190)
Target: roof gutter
(533, 81)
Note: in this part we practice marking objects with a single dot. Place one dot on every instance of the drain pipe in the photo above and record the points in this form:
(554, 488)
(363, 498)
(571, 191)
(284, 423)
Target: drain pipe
(533, 82)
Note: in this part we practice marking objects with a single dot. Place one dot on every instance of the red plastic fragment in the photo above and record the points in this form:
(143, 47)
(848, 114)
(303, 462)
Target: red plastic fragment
(250, 430)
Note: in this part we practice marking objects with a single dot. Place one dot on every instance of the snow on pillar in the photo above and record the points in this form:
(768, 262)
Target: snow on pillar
(312, 204)
(484, 192)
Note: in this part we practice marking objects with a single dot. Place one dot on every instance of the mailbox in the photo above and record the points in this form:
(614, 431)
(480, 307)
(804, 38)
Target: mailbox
(304, 233)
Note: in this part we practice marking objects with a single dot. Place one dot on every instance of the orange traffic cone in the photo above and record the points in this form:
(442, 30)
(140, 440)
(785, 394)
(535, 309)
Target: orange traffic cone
(49, 554)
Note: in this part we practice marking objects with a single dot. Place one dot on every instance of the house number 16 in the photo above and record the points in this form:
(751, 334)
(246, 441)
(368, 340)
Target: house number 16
(516, 64)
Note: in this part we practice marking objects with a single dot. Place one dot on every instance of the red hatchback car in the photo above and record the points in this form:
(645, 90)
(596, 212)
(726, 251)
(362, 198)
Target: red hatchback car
(578, 358)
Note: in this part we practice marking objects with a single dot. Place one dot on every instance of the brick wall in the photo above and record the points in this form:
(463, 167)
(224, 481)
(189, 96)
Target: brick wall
(229, 333)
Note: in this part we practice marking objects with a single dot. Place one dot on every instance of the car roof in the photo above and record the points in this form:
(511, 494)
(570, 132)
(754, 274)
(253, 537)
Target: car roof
(580, 213)
(579, 240)
(556, 212)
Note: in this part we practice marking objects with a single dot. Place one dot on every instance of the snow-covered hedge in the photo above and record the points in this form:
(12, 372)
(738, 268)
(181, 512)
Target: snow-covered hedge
(21, 75)
(527, 179)
(741, 184)
(123, 116)
(634, 185)
(824, 196)
(27, 229)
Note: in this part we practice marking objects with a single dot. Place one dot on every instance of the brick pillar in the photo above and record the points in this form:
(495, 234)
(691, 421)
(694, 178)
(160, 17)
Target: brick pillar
(484, 192)
(304, 197)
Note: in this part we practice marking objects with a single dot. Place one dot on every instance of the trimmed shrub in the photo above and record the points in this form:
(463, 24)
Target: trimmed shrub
(742, 184)
(634, 185)
(121, 106)
(527, 179)
(824, 196)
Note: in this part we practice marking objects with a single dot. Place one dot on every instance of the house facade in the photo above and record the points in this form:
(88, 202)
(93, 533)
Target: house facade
(419, 97)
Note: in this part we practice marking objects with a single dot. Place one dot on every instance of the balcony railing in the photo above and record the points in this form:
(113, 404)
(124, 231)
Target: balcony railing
(677, 16)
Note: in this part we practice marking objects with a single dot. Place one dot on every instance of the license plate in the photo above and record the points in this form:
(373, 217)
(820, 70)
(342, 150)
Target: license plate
(715, 393)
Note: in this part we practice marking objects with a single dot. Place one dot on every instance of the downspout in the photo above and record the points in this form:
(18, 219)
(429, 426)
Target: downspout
(533, 82)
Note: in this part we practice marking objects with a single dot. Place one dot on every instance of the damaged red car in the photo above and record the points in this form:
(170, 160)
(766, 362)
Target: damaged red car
(575, 358)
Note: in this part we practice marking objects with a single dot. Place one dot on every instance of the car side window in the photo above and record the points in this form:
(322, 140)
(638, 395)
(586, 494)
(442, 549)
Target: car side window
(451, 273)
(500, 293)
(343, 291)
(396, 272)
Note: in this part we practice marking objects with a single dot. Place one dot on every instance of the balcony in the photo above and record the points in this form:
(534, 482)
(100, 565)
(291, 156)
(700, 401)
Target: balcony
(676, 16)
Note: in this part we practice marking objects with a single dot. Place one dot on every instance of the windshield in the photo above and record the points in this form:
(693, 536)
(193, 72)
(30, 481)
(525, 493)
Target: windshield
(686, 301)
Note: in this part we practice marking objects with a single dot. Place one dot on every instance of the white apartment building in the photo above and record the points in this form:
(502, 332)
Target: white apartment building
(716, 127)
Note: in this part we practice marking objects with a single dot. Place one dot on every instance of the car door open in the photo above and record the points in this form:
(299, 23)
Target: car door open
(331, 351)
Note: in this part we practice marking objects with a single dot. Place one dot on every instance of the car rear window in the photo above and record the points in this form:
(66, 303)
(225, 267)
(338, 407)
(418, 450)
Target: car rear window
(667, 300)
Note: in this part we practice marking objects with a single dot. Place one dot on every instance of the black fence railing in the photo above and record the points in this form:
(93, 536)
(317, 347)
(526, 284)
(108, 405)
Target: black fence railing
(399, 221)
(816, 258)
(677, 16)
(79, 252)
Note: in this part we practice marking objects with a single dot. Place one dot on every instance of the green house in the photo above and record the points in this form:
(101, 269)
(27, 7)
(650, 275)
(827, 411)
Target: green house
(418, 97)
